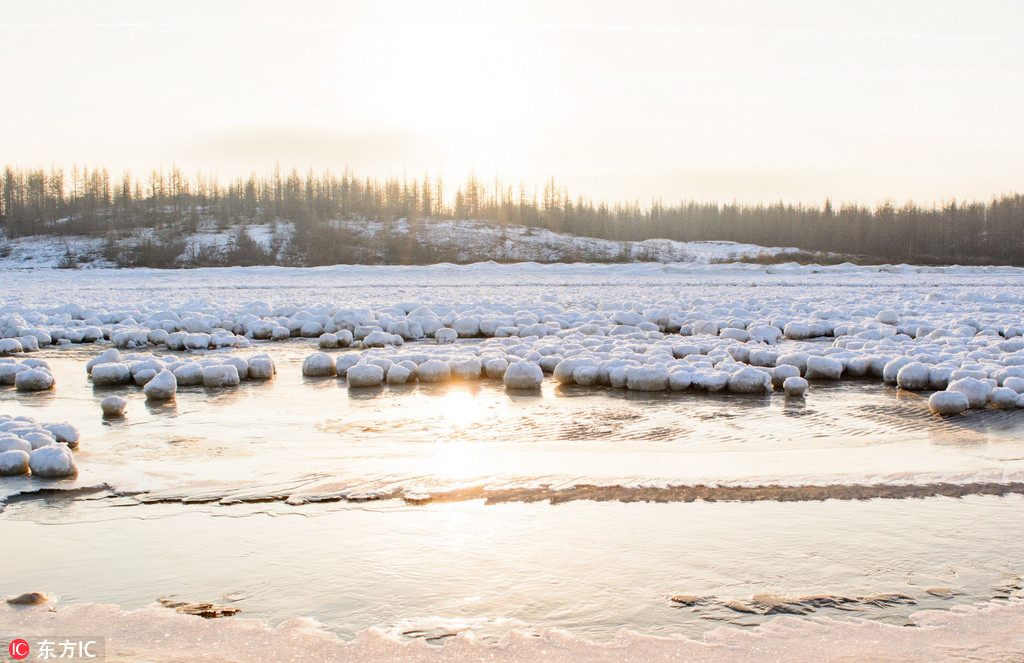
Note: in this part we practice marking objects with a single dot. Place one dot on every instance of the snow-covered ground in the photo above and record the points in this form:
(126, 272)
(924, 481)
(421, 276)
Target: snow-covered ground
(464, 240)
(513, 243)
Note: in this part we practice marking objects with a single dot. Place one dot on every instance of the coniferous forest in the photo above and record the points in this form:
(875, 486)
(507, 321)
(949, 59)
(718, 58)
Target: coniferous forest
(88, 201)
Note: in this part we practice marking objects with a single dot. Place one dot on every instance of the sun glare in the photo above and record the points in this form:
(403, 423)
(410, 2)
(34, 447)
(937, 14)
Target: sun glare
(471, 91)
(461, 409)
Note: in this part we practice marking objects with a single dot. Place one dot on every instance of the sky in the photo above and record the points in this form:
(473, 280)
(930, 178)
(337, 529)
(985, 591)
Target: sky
(729, 100)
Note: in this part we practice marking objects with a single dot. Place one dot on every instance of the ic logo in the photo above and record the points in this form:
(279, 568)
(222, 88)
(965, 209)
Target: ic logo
(18, 649)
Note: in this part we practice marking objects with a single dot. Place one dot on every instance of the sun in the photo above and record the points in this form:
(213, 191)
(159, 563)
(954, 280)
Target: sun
(471, 90)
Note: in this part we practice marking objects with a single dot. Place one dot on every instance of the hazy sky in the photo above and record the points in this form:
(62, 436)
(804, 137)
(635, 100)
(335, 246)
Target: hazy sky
(740, 99)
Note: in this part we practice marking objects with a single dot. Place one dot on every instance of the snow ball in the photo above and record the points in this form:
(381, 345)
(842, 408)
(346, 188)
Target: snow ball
(188, 375)
(280, 333)
(795, 386)
(345, 338)
(147, 364)
(9, 372)
(914, 376)
(162, 387)
(780, 373)
(466, 327)
(53, 462)
(260, 329)
(797, 331)
(398, 375)
(798, 359)
(445, 336)
(750, 381)
(680, 351)
(35, 379)
(224, 375)
(365, 375)
(1017, 384)
(740, 353)
(679, 380)
(113, 406)
(14, 462)
(586, 375)
(195, 326)
(938, 377)
(961, 373)
(495, 368)
(383, 362)
(466, 369)
(39, 439)
(261, 367)
(976, 391)
(144, 376)
(345, 362)
(1004, 398)
(891, 370)
(241, 365)
(712, 381)
(565, 370)
(765, 334)
(741, 335)
(627, 318)
(377, 339)
(888, 317)
(328, 341)
(823, 368)
(521, 375)
(759, 357)
(434, 371)
(65, 433)
(948, 402)
(549, 363)
(857, 366)
(540, 330)
(197, 341)
(647, 378)
(410, 330)
(175, 341)
(318, 365)
(14, 443)
(311, 329)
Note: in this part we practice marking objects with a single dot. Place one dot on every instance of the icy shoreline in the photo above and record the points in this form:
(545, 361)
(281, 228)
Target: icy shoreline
(992, 631)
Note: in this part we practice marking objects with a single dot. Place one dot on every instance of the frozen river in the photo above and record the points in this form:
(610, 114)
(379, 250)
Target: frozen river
(427, 510)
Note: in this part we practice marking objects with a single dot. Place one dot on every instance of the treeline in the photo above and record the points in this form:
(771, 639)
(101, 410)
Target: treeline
(88, 201)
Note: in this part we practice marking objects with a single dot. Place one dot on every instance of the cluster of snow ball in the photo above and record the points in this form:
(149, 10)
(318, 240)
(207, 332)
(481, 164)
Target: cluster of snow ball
(973, 393)
(13, 345)
(26, 374)
(200, 324)
(160, 377)
(522, 364)
(379, 366)
(649, 360)
(42, 449)
(364, 337)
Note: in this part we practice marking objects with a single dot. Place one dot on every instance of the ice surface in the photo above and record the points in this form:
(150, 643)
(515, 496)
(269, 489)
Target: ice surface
(993, 632)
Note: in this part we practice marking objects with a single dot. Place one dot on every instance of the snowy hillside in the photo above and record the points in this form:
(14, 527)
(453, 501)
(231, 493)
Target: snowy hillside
(444, 240)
